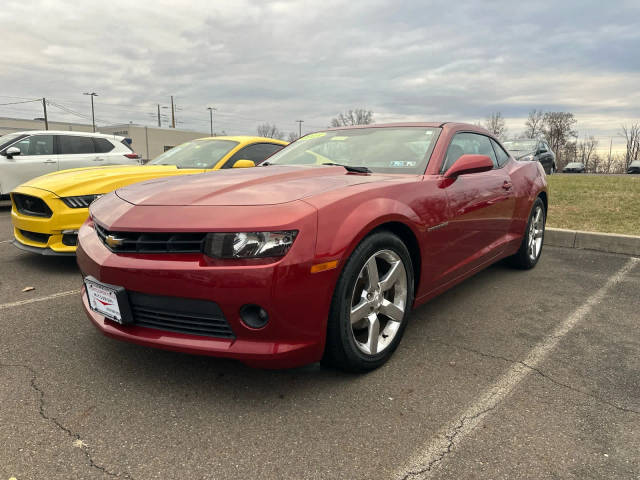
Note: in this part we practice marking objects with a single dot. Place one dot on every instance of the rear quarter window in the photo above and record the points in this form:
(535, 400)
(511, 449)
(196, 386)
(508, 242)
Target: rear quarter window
(103, 145)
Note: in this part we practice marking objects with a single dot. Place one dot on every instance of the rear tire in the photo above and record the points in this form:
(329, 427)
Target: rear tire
(530, 249)
(371, 304)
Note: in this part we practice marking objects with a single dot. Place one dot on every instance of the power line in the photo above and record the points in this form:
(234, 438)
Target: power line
(24, 101)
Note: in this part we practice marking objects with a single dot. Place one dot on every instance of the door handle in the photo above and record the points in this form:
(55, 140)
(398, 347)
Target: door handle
(49, 161)
(98, 159)
(507, 185)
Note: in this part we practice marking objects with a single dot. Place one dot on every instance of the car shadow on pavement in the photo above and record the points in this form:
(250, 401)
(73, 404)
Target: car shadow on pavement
(128, 363)
(47, 264)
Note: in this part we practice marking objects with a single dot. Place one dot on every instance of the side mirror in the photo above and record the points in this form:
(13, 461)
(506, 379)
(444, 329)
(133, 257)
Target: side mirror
(244, 164)
(469, 164)
(11, 152)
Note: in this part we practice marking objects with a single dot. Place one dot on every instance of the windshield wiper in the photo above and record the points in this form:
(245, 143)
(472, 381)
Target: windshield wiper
(349, 168)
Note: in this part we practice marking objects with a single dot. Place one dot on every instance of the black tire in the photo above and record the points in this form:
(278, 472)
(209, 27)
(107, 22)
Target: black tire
(522, 258)
(341, 350)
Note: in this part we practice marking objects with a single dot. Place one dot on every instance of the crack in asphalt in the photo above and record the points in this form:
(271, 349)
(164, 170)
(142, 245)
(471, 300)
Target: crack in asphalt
(449, 436)
(541, 373)
(60, 426)
(450, 443)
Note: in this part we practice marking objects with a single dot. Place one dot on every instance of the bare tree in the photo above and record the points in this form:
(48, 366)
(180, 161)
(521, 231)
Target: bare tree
(586, 154)
(270, 131)
(359, 116)
(534, 124)
(293, 136)
(632, 136)
(558, 129)
(495, 124)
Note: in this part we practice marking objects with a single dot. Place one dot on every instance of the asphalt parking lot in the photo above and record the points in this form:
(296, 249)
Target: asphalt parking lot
(509, 375)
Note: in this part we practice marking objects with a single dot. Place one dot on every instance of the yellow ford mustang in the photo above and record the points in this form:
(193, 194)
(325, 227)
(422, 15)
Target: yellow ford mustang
(48, 210)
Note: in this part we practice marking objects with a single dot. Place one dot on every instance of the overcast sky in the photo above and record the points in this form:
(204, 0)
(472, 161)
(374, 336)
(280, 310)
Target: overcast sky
(280, 61)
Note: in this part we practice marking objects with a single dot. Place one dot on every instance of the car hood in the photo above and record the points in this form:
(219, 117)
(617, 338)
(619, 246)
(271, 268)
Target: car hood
(252, 186)
(98, 180)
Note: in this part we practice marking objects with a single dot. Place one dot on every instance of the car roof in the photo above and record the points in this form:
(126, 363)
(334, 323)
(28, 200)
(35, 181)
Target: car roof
(68, 132)
(448, 125)
(245, 139)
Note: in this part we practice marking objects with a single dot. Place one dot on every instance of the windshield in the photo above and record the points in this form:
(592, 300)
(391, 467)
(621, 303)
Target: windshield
(381, 150)
(520, 145)
(8, 139)
(195, 154)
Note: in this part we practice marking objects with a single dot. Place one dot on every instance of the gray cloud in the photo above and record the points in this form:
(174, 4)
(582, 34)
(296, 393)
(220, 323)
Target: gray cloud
(284, 60)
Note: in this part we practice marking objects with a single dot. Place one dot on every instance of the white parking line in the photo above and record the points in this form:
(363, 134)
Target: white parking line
(39, 299)
(434, 451)
(5, 241)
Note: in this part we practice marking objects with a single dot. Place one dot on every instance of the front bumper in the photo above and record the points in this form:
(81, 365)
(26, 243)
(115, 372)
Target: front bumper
(48, 238)
(296, 300)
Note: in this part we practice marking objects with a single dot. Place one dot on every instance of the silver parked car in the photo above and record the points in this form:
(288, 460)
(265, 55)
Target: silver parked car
(574, 167)
(26, 155)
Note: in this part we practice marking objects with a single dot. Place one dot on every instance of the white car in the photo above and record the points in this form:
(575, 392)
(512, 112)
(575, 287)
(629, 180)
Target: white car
(26, 155)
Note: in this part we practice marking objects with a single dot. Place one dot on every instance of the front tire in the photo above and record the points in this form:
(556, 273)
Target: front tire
(370, 305)
(530, 249)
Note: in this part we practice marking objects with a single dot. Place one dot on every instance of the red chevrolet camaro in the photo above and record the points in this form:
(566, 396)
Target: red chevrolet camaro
(320, 253)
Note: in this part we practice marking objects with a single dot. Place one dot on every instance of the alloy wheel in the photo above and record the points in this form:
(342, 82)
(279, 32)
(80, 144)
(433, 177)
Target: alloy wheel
(378, 302)
(535, 234)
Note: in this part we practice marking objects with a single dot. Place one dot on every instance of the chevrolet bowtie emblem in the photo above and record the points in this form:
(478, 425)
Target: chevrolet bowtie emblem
(113, 241)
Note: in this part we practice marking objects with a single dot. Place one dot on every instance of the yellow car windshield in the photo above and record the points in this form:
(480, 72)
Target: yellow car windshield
(195, 154)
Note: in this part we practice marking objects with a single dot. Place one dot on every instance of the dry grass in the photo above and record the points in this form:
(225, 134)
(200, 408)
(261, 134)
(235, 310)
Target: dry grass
(595, 203)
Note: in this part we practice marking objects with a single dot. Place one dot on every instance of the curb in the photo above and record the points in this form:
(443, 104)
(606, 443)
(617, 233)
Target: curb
(602, 242)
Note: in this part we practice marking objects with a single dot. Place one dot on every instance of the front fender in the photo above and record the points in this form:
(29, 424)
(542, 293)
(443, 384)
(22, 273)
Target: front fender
(339, 234)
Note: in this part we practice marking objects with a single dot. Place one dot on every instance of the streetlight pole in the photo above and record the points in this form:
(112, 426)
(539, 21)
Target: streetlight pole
(93, 116)
(211, 110)
(300, 127)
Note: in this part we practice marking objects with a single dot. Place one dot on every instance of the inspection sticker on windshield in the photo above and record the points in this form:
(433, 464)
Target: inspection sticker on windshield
(103, 300)
(401, 164)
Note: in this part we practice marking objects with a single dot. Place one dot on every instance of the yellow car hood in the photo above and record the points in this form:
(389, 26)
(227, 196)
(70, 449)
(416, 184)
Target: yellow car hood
(94, 180)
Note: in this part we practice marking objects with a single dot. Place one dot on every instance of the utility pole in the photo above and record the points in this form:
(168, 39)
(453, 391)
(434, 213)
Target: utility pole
(610, 145)
(46, 120)
(299, 127)
(211, 110)
(93, 117)
(173, 114)
(159, 123)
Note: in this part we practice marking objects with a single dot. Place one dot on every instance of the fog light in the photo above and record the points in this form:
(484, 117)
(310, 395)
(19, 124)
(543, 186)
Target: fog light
(254, 316)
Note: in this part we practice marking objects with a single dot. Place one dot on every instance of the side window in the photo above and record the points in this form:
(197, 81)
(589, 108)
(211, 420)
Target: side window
(74, 145)
(542, 147)
(103, 145)
(501, 155)
(257, 152)
(35, 145)
(468, 143)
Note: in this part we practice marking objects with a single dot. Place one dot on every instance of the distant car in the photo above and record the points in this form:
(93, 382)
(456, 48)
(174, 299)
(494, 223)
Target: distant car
(532, 151)
(634, 167)
(48, 211)
(574, 167)
(26, 155)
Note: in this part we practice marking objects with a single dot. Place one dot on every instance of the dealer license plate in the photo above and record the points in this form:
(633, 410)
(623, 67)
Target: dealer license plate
(103, 300)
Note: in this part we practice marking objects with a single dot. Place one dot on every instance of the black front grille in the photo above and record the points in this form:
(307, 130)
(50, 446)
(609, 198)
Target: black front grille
(137, 242)
(35, 236)
(32, 206)
(183, 315)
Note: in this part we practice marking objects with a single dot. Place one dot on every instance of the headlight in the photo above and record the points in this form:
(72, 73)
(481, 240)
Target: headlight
(527, 158)
(81, 201)
(249, 244)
